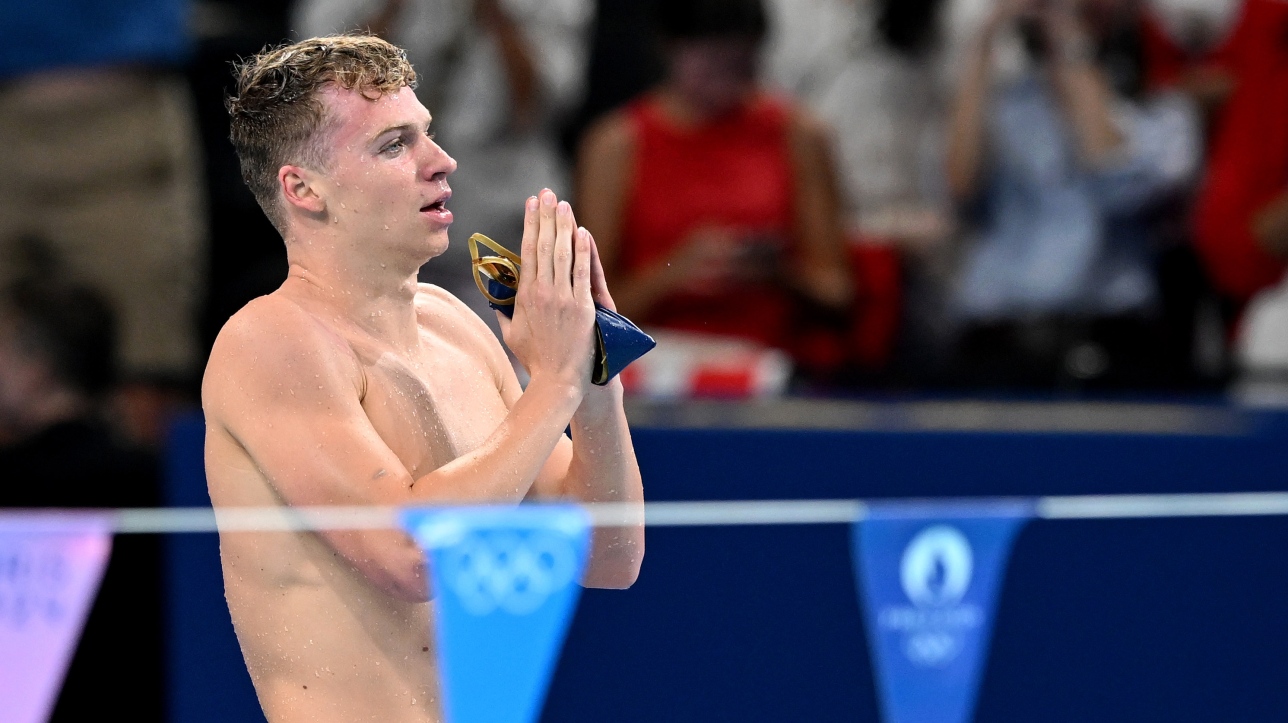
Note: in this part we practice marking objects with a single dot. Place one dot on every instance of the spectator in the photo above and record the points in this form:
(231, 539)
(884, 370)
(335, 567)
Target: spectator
(56, 347)
(1187, 45)
(1065, 164)
(1241, 223)
(499, 77)
(714, 204)
(873, 70)
(100, 159)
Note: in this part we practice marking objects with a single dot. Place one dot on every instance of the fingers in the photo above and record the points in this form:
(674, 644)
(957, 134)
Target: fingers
(528, 249)
(504, 322)
(546, 238)
(564, 226)
(581, 269)
(598, 279)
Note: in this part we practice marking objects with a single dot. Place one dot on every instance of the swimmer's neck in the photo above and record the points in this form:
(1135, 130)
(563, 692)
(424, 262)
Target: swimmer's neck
(381, 300)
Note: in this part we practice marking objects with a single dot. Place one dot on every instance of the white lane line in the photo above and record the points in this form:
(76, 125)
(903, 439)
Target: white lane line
(687, 514)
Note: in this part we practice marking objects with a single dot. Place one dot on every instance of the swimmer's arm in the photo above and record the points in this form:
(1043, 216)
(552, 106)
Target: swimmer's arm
(603, 469)
(289, 393)
(599, 465)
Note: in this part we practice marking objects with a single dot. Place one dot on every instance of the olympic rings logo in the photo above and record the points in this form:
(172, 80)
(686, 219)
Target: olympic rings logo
(508, 570)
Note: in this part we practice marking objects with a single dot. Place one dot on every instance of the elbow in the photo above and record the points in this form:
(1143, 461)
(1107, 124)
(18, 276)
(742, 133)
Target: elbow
(624, 575)
(619, 578)
(616, 565)
(411, 591)
(631, 573)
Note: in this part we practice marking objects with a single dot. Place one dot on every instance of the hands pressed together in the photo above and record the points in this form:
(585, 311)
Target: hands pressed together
(552, 330)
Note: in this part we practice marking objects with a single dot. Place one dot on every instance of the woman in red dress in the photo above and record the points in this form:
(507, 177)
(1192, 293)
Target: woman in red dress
(713, 203)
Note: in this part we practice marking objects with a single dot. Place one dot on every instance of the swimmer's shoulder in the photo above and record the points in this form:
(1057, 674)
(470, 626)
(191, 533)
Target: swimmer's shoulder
(272, 341)
(439, 309)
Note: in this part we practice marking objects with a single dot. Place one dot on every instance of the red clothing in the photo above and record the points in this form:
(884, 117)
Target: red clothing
(1248, 157)
(1166, 62)
(733, 173)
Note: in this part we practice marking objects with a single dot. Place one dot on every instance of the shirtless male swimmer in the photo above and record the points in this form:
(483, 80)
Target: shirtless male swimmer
(354, 385)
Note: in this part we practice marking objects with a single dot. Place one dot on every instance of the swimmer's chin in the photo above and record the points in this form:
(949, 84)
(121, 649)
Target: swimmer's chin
(437, 249)
(431, 244)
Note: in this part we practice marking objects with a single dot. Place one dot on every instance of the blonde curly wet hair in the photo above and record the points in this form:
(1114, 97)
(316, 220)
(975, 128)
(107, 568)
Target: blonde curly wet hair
(276, 114)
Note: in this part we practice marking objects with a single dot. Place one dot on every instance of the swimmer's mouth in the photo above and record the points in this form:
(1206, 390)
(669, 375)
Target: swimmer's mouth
(438, 206)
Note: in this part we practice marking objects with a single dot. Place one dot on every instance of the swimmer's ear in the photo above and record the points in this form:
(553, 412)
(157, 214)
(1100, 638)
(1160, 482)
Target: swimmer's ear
(298, 189)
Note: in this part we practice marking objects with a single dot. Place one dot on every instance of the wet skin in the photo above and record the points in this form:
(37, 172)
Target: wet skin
(352, 384)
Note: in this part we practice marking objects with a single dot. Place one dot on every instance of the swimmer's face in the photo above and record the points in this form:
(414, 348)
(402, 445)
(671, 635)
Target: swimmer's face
(385, 186)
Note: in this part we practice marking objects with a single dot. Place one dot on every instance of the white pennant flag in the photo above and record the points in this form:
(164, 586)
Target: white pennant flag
(51, 565)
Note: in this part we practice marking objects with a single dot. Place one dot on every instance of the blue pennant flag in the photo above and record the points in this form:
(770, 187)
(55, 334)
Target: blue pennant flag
(50, 568)
(928, 576)
(506, 584)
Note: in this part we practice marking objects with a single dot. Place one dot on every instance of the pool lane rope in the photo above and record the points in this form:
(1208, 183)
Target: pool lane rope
(171, 520)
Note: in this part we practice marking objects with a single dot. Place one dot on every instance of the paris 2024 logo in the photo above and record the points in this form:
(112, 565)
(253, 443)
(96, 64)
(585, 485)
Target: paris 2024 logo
(935, 573)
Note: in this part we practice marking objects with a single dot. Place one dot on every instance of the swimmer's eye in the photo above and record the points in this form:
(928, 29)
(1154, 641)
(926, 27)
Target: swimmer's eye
(396, 144)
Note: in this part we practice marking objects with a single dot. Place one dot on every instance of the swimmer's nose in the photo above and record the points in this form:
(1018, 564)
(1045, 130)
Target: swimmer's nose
(439, 163)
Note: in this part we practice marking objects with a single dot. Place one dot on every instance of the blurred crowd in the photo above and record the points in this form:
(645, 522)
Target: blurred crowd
(797, 196)
(819, 197)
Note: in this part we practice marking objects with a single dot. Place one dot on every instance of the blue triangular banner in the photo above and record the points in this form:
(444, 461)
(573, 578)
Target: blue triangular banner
(928, 577)
(51, 565)
(506, 584)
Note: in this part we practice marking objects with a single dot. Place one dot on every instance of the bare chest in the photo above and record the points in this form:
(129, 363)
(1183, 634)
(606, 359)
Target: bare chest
(432, 408)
